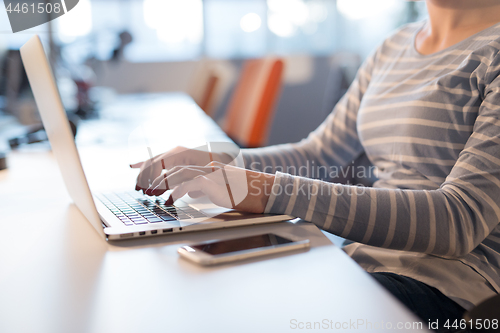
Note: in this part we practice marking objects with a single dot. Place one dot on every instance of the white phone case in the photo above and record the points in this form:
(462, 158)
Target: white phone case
(206, 259)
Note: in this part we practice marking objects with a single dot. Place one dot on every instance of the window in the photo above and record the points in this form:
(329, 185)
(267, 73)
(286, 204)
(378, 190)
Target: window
(366, 23)
(177, 30)
(161, 30)
(235, 28)
(298, 26)
(169, 29)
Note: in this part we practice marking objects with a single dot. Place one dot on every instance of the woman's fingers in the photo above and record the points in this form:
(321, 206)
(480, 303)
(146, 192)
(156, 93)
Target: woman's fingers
(196, 194)
(149, 171)
(175, 169)
(182, 189)
(187, 173)
(153, 182)
(136, 165)
(160, 180)
(179, 174)
(214, 188)
(158, 187)
(216, 164)
(227, 187)
(195, 185)
(152, 168)
(176, 177)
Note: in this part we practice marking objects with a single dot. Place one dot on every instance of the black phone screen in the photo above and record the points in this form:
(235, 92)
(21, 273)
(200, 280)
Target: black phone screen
(241, 244)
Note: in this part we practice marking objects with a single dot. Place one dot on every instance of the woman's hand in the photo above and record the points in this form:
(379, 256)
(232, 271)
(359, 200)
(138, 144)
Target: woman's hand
(225, 185)
(223, 152)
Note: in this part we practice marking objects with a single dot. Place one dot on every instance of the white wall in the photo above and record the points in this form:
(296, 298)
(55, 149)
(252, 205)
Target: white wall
(126, 77)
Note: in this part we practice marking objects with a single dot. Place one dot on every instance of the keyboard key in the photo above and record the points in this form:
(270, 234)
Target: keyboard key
(141, 222)
(126, 221)
(168, 218)
(155, 220)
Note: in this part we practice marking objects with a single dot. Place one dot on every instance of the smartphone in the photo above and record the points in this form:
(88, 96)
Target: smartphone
(224, 251)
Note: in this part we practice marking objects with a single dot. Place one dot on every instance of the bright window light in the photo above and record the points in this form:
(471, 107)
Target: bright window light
(285, 16)
(317, 11)
(75, 23)
(361, 9)
(250, 22)
(280, 26)
(175, 21)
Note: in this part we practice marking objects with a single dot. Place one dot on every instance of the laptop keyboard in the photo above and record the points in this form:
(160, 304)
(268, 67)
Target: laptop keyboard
(135, 209)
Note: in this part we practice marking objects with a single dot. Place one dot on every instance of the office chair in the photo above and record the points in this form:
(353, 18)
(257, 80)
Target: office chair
(206, 101)
(209, 83)
(250, 111)
(204, 87)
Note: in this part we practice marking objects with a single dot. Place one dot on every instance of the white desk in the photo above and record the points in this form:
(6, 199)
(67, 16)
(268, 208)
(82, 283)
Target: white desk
(57, 275)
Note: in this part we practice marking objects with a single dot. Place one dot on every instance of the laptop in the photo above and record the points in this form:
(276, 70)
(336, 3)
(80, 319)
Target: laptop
(118, 215)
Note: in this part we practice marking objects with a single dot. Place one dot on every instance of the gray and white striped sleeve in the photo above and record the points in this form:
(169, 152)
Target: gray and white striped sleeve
(334, 143)
(449, 221)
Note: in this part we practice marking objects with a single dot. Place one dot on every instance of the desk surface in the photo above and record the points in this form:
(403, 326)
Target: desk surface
(58, 275)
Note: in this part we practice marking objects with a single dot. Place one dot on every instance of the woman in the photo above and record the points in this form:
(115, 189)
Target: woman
(425, 109)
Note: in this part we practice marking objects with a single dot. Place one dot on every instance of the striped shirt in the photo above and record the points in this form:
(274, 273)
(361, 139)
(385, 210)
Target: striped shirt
(430, 125)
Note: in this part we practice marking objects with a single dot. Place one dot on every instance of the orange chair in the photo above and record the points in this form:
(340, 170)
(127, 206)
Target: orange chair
(250, 111)
(210, 81)
(207, 97)
(204, 85)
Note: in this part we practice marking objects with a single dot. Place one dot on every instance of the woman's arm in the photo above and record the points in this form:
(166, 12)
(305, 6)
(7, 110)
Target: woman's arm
(335, 143)
(450, 221)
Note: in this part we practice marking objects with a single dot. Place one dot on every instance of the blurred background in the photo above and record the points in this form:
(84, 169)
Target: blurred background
(104, 49)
